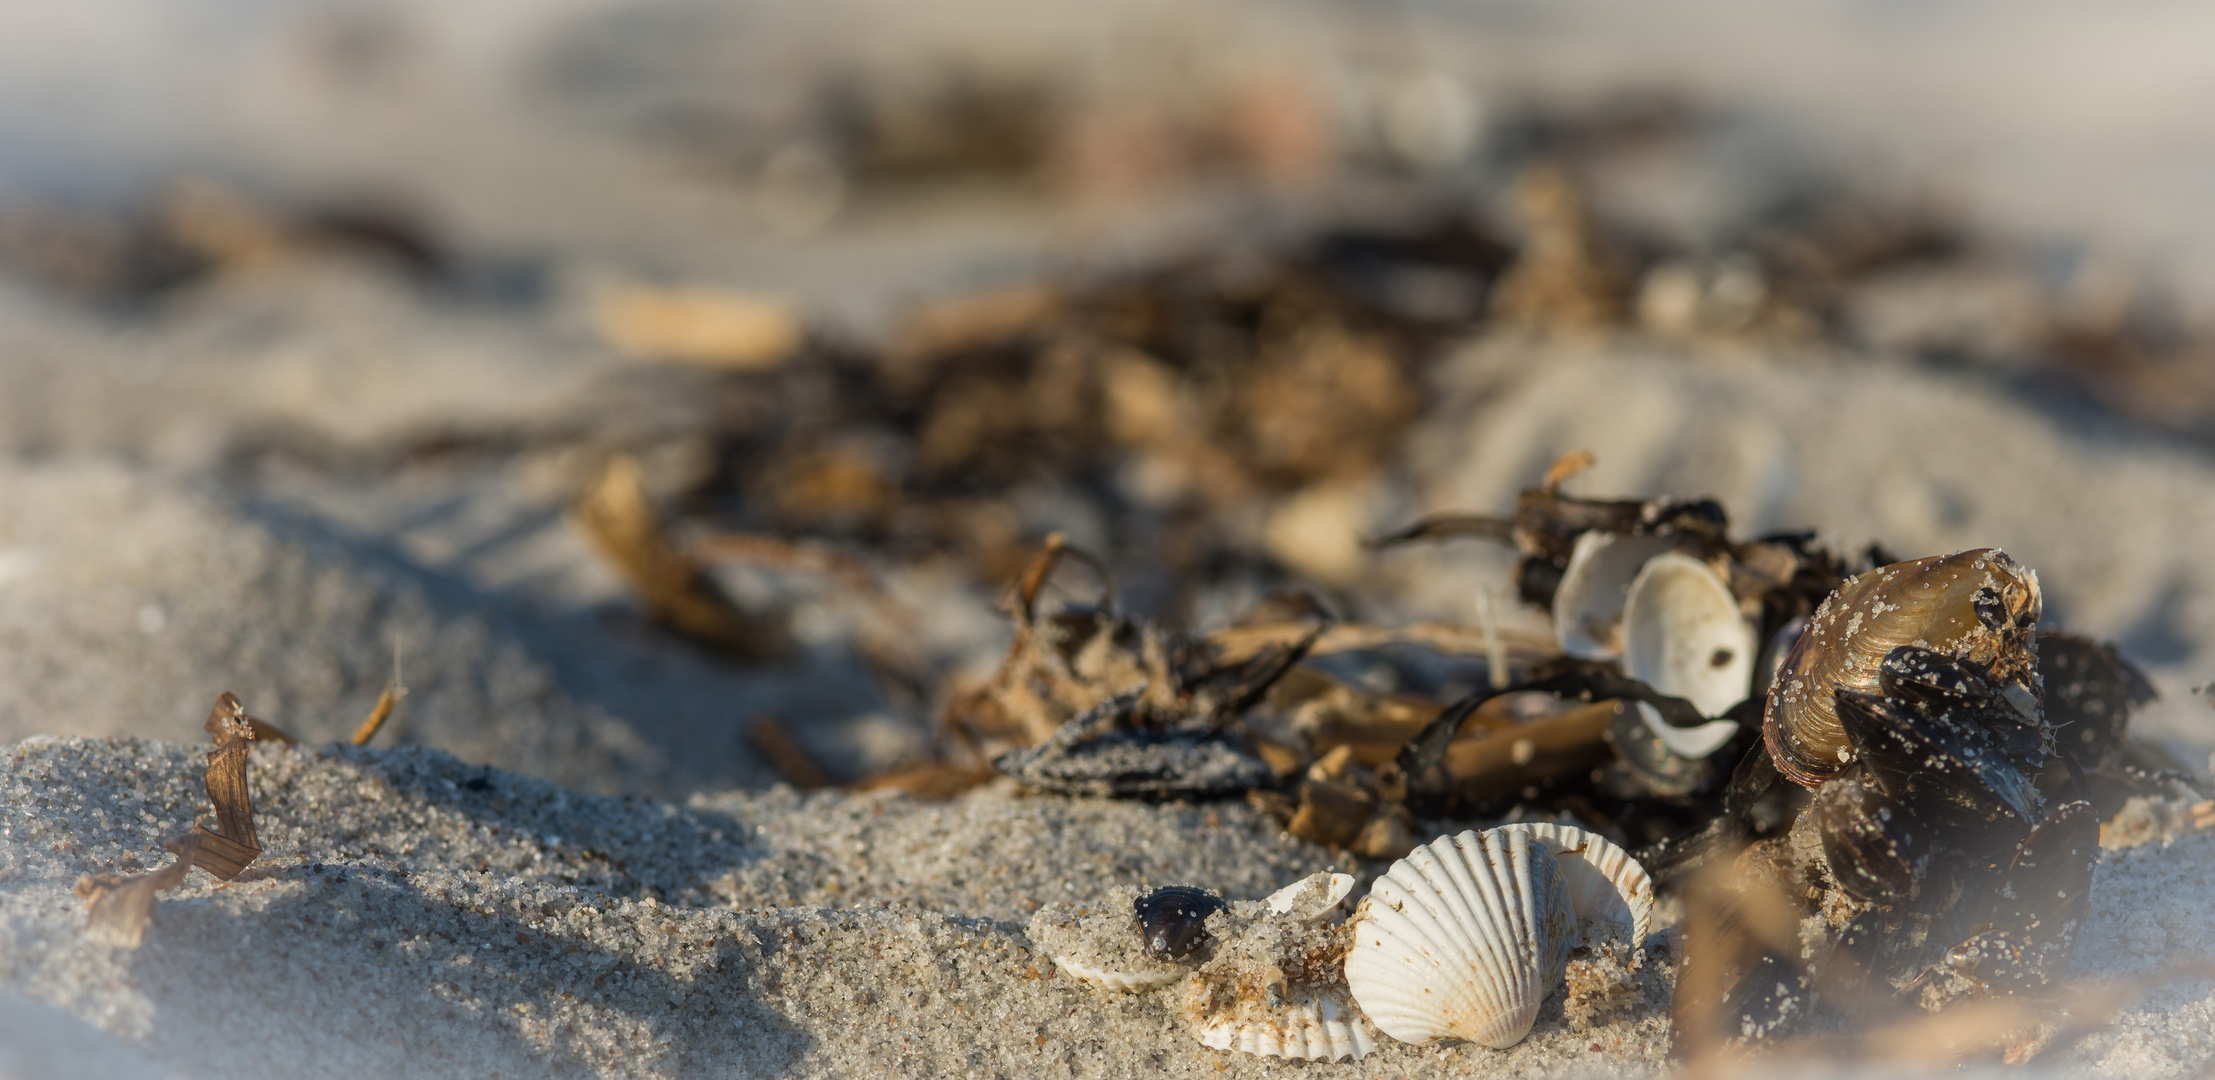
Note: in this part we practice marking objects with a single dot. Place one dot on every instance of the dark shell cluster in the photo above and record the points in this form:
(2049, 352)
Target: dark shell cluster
(1946, 841)
(1901, 811)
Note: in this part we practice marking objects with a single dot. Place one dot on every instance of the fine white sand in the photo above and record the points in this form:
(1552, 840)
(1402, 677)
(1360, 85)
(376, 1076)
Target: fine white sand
(415, 915)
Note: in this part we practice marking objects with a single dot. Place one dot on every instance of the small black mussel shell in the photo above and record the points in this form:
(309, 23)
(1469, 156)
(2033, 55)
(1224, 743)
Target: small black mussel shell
(2048, 887)
(1942, 767)
(2090, 691)
(1943, 684)
(1877, 851)
(1173, 919)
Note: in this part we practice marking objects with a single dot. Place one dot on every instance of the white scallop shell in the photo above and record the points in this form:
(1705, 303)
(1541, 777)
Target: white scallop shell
(1595, 586)
(1311, 897)
(1463, 939)
(1606, 885)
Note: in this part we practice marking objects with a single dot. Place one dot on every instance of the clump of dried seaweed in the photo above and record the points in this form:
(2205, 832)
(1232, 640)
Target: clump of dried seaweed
(1090, 701)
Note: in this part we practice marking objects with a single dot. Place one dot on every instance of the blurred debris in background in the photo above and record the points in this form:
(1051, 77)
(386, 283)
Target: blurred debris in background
(1215, 421)
(197, 230)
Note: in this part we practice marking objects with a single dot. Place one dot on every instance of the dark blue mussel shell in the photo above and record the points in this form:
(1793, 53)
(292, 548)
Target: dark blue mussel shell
(1943, 764)
(1174, 919)
(1944, 685)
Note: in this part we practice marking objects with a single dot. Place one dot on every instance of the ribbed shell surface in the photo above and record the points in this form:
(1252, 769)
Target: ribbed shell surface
(1604, 881)
(1463, 939)
(1324, 1028)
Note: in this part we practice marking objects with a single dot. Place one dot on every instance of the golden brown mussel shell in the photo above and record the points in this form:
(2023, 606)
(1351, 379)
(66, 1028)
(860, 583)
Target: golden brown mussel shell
(1978, 606)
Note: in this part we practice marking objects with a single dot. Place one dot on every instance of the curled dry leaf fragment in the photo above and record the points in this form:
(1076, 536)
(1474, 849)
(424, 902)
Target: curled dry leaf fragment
(619, 518)
(121, 906)
(226, 851)
(229, 716)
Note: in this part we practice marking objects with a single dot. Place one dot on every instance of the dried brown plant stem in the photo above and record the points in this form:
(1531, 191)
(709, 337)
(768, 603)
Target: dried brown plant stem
(378, 714)
(1566, 466)
(928, 780)
(386, 701)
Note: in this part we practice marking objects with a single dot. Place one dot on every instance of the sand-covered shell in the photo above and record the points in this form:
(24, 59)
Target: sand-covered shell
(1588, 604)
(1312, 897)
(1978, 606)
(1104, 945)
(1463, 939)
(1276, 984)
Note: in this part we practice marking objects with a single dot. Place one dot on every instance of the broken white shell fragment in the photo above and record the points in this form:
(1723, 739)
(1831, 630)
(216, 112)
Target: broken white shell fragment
(1311, 897)
(1595, 587)
(1314, 1028)
(1463, 939)
(1684, 636)
(1691, 742)
(1101, 944)
(1276, 984)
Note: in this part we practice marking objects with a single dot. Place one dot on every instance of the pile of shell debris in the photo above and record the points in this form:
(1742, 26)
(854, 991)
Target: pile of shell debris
(1876, 786)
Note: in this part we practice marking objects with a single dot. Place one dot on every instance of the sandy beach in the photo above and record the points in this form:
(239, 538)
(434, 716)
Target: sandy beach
(340, 454)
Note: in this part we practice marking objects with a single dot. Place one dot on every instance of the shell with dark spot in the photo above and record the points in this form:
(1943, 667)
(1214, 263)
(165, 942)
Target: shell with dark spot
(1174, 919)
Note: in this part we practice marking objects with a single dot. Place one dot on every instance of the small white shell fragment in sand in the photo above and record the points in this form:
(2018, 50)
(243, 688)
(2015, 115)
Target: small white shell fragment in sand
(1276, 987)
(1311, 897)
(1589, 602)
(1684, 636)
(1312, 1028)
(1463, 939)
(1101, 944)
